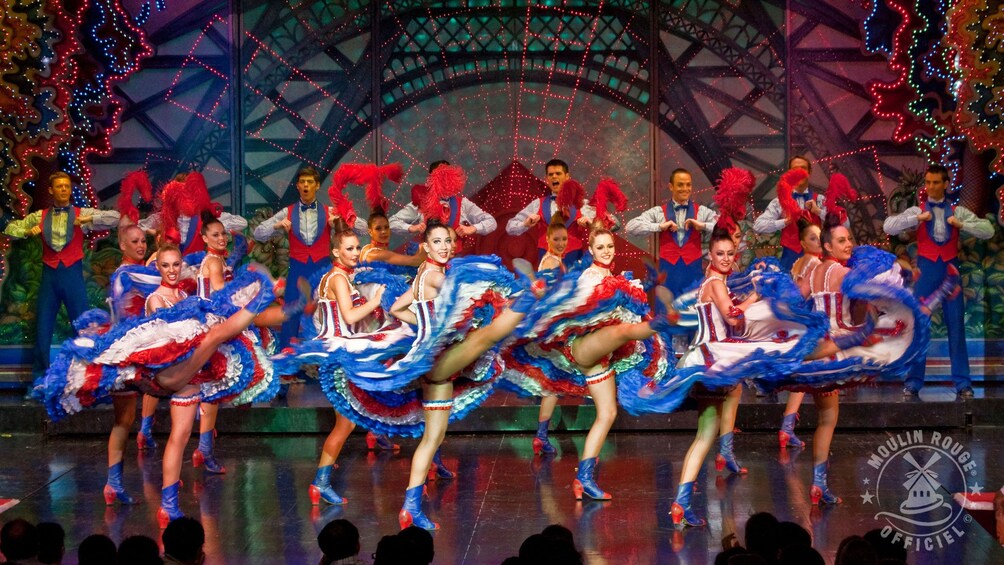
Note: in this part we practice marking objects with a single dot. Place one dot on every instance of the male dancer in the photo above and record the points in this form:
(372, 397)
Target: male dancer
(938, 224)
(464, 216)
(773, 218)
(539, 211)
(308, 224)
(62, 228)
(679, 224)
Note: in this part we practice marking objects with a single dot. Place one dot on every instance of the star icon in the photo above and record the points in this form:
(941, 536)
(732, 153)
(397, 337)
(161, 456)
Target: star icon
(866, 481)
(976, 488)
(867, 497)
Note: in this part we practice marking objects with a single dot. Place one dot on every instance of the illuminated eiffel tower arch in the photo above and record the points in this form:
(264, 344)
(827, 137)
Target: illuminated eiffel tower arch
(719, 83)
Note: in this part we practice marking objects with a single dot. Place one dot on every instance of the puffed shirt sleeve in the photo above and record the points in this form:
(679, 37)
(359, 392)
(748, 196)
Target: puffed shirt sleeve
(151, 222)
(100, 219)
(19, 228)
(517, 224)
(233, 223)
(266, 229)
(482, 222)
(646, 223)
(405, 218)
(772, 220)
(980, 228)
(904, 221)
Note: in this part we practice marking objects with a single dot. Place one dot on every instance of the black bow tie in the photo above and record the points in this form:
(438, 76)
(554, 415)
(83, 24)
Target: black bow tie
(63, 209)
(936, 204)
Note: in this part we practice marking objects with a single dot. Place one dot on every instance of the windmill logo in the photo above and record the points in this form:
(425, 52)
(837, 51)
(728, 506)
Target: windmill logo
(912, 492)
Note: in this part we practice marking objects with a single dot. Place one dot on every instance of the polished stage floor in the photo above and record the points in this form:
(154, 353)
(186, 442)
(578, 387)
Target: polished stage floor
(259, 511)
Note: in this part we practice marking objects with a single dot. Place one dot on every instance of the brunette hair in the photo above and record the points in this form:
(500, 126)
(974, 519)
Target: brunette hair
(375, 215)
(208, 218)
(431, 225)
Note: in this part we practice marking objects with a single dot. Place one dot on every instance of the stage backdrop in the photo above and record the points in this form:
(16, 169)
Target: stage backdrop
(250, 91)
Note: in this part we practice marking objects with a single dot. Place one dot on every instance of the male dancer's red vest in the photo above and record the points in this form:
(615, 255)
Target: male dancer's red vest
(317, 251)
(193, 239)
(545, 211)
(930, 249)
(789, 234)
(671, 251)
(72, 252)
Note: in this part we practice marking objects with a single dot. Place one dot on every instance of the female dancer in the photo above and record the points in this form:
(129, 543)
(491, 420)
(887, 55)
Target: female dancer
(553, 260)
(341, 308)
(720, 359)
(132, 242)
(214, 272)
(377, 249)
(591, 330)
(812, 253)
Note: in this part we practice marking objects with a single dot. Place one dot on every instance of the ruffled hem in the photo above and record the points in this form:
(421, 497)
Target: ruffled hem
(904, 326)
(90, 368)
(538, 360)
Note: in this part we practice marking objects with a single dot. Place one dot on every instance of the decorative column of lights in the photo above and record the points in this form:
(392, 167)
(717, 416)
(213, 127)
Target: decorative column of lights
(60, 62)
(947, 91)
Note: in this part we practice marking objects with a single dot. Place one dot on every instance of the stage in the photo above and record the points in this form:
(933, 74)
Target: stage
(259, 511)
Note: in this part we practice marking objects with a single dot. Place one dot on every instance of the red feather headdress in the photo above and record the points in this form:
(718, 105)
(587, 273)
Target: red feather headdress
(734, 189)
(187, 198)
(839, 189)
(608, 192)
(570, 195)
(348, 173)
(374, 177)
(785, 186)
(134, 181)
(445, 182)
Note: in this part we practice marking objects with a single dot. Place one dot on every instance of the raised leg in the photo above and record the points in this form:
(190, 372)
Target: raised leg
(459, 356)
(589, 349)
(177, 376)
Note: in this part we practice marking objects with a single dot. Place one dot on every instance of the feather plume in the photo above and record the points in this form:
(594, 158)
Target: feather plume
(570, 195)
(839, 189)
(419, 193)
(608, 192)
(444, 182)
(733, 192)
(785, 186)
(136, 180)
(374, 183)
(347, 173)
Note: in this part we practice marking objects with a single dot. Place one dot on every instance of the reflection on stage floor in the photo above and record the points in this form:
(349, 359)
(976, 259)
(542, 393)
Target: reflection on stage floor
(259, 512)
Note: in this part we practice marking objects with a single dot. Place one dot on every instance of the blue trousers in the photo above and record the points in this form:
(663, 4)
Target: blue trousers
(680, 276)
(788, 258)
(63, 285)
(297, 269)
(932, 273)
